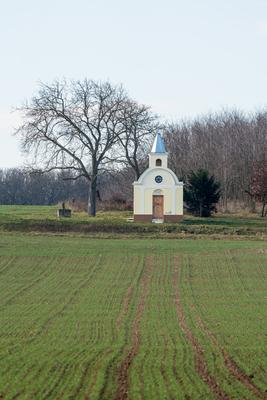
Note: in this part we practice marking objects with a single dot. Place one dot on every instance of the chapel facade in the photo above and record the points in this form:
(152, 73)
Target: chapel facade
(158, 194)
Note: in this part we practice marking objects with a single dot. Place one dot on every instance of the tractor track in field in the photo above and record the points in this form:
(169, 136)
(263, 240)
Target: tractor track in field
(200, 363)
(113, 359)
(123, 312)
(125, 307)
(162, 284)
(231, 365)
(161, 288)
(123, 372)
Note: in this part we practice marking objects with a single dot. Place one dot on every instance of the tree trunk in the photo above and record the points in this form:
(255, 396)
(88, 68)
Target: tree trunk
(92, 197)
(263, 214)
(200, 209)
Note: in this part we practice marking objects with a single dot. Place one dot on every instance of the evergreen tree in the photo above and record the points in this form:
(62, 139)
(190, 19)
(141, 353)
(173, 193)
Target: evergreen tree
(202, 192)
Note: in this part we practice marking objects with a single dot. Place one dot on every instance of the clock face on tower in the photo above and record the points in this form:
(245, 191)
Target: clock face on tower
(158, 179)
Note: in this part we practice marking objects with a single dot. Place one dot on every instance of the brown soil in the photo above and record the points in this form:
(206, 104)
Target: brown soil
(232, 366)
(123, 373)
(200, 363)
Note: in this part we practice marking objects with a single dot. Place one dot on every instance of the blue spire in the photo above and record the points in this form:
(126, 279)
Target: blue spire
(158, 145)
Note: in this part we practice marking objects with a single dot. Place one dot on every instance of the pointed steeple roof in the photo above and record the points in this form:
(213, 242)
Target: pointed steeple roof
(158, 145)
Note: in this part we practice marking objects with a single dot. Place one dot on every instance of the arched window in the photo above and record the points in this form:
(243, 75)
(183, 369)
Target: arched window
(158, 162)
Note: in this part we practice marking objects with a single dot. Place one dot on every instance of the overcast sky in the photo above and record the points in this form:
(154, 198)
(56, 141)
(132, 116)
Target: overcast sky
(182, 57)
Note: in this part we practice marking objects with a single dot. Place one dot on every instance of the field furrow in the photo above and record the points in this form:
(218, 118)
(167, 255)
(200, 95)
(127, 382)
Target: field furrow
(201, 365)
(125, 307)
(152, 374)
(89, 363)
(123, 372)
(233, 368)
(220, 299)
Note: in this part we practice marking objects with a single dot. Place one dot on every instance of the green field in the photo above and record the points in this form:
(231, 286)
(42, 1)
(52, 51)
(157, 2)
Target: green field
(84, 318)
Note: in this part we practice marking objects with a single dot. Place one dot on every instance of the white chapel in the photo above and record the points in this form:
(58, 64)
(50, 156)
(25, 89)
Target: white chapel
(158, 194)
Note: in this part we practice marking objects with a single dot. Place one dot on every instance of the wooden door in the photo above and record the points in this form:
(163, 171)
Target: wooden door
(157, 207)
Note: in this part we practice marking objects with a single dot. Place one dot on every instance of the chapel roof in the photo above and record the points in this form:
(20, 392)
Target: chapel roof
(158, 145)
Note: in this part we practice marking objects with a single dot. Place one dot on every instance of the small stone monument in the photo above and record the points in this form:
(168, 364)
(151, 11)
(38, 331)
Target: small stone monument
(63, 212)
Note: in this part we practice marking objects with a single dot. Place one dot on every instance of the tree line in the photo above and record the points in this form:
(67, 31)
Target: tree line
(229, 144)
(88, 139)
(18, 186)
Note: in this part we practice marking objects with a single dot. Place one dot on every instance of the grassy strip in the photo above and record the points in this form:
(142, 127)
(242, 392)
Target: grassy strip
(43, 219)
(128, 228)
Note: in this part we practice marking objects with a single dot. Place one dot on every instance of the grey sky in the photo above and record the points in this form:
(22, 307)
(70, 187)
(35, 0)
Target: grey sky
(183, 58)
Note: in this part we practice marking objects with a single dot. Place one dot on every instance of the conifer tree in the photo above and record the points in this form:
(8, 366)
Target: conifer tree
(202, 193)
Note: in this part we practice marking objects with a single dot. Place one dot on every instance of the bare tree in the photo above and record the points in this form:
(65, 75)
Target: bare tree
(74, 127)
(139, 126)
(258, 185)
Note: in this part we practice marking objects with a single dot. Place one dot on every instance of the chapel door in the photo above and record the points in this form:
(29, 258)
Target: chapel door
(157, 207)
